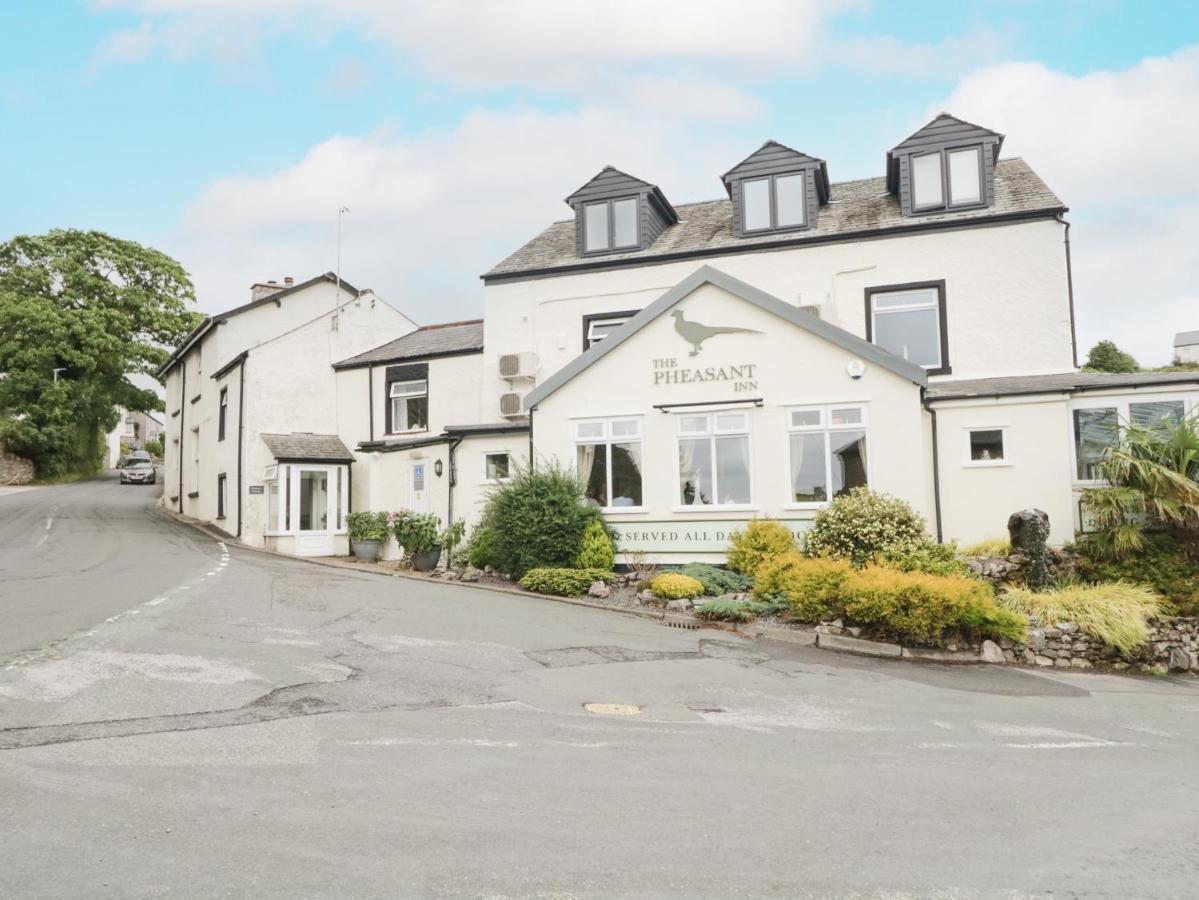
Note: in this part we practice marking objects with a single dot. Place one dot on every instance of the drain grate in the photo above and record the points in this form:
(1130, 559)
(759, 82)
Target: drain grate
(688, 626)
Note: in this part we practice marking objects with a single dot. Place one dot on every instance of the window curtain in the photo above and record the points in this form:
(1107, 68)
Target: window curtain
(688, 475)
(743, 452)
(586, 464)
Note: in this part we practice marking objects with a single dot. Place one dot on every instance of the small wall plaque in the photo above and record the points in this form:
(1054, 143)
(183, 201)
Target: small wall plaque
(256, 489)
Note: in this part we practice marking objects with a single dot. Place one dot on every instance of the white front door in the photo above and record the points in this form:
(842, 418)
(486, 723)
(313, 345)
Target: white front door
(418, 486)
(316, 511)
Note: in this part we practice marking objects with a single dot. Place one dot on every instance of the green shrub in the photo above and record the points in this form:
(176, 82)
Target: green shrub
(673, 586)
(1163, 564)
(368, 526)
(811, 587)
(597, 550)
(762, 539)
(480, 547)
(929, 557)
(989, 547)
(562, 582)
(724, 611)
(863, 525)
(767, 607)
(414, 532)
(1116, 613)
(154, 448)
(904, 605)
(716, 581)
(536, 520)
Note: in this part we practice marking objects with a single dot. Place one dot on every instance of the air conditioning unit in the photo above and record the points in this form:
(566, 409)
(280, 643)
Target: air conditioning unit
(812, 310)
(510, 405)
(518, 365)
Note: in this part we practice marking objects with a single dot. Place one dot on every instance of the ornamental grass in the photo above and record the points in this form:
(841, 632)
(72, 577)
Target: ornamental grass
(1116, 613)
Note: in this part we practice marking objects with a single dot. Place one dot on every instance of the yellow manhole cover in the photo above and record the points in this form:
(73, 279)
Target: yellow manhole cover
(612, 709)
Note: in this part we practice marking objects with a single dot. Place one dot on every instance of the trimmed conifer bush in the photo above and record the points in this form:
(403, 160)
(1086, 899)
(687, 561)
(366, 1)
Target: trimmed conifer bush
(597, 550)
(762, 540)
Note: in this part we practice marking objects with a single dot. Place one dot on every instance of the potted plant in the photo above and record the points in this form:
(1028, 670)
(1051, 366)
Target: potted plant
(417, 534)
(368, 533)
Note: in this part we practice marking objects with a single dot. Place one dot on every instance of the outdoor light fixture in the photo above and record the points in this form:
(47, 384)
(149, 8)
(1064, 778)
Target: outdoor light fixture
(437, 468)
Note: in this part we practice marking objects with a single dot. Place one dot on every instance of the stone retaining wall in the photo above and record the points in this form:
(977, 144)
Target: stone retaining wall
(14, 469)
(1173, 646)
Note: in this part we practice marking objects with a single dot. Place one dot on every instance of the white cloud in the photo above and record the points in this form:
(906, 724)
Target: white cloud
(129, 45)
(1120, 148)
(431, 212)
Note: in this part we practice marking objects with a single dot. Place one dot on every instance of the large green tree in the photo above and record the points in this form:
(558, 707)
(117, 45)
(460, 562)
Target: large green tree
(80, 311)
(1107, 357)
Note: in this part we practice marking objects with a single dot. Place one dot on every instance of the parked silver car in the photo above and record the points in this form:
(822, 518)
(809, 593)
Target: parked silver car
(138, 470)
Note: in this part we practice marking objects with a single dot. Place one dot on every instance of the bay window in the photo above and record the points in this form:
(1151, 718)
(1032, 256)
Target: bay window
(409, 405)
(909, 321)
(608, 458)
(827, 452)
(714, 459)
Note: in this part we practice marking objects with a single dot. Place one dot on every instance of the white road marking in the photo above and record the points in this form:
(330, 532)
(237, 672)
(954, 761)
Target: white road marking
(221, 544)
(156, 601)
(1071, 745)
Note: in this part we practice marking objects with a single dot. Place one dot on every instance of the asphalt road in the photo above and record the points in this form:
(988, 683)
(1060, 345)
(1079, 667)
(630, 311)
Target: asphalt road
(181, 718)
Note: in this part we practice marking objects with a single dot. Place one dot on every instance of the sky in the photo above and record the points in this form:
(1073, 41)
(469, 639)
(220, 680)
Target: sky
(228, 133)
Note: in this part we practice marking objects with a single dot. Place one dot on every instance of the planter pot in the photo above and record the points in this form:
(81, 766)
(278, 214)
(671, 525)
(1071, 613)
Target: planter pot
(426, 560)
(366, 551)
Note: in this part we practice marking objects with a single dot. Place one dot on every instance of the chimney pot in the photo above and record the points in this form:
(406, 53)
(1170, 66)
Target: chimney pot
(289, 281)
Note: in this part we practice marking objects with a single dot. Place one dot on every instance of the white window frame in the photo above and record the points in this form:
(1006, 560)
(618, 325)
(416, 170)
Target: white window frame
(711, 432)
(606, 438)
(286, 477)
(616, 321)
(772, 203)
(393, 396)
(970, 463)
(505, 454)
(950, 203)
(1122, 404)
(937, 293)
(826, 428)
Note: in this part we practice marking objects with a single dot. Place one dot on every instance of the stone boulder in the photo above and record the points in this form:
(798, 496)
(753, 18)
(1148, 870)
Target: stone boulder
(470, 573)
(599, 590)
(991, 653)
(1179, 660)
(1028, 529)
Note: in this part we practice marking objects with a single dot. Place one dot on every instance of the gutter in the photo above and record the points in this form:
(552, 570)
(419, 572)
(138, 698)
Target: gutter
(794, 244)
(451, 481)
(1070, 289)
(936, 468)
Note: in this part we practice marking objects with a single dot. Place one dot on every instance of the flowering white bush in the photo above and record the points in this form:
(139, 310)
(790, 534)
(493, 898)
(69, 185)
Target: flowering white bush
(863, 524)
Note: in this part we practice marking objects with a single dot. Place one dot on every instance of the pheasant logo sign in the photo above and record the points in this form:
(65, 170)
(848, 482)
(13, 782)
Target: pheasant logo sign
(668, 371)
(695, 334)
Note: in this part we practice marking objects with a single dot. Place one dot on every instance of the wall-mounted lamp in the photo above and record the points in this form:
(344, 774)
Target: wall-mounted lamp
(438, 468)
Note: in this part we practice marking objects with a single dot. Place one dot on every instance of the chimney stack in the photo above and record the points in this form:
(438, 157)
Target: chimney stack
(289, 281)
(259, 290)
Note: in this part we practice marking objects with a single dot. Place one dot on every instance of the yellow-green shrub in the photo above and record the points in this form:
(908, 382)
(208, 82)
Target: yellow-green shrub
(1116, 613)
(596, 550)
(812, 587)
(916, 605)
(674, 586)
(563, 582)
(762, 540)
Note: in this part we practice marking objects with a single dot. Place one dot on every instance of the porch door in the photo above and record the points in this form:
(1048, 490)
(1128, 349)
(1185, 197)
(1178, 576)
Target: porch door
(418, 486)
(316, 513)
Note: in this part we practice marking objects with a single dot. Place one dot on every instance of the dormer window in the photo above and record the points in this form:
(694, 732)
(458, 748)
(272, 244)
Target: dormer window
(776, 188)
(946, 165)
(775, 202)
(956, 174)
(610, 225)
(616, 212)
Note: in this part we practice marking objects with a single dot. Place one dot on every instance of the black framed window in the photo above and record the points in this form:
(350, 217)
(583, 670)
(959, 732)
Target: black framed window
(774, 203)
(223, 415)
(221, 487)
(598, 326)
(909, 320)
(611, 225)
(406, 398)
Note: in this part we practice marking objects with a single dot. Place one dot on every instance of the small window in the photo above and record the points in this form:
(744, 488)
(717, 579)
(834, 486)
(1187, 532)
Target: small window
(222, 415)
(827, 460)
(1094, 431)
(409, 405)
(909, 323)
(965, 176)
(779, 201)
(598, 327)
(714, 460)
(221, 484)
(608, 457)
(497, 467)
(986, 445)
(927, 187)
(611, 225)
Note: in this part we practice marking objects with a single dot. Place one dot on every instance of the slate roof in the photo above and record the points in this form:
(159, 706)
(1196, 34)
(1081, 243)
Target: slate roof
(447, 339)
(1186, 338)
(1069, 382)
(304, 446)
(864, 205)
